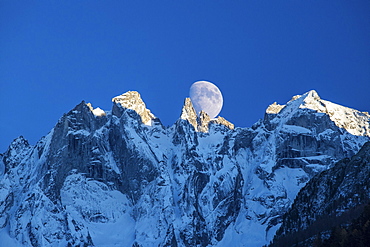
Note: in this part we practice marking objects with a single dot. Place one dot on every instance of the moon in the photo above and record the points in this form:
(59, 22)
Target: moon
(206, 96)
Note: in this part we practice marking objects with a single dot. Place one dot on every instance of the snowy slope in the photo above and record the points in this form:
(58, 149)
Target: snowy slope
(120, 178)
(333, 197)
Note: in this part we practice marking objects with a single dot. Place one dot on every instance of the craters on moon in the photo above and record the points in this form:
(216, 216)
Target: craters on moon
(206, 96)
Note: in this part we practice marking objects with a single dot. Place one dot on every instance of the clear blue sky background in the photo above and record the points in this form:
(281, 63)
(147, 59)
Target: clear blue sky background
(54, 54)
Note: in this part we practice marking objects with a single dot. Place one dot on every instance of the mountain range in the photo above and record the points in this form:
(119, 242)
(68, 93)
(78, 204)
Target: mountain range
(121, 178)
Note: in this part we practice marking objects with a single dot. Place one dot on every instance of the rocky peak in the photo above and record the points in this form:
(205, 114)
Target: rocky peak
(311, 100)
(202, 121)
(132, 100)
(188, 113)
(221, 188)
(223, 121)
(19, 144)
(16, 152)
(307, 100)
(353, 121)
(274, 108)
(312, 94)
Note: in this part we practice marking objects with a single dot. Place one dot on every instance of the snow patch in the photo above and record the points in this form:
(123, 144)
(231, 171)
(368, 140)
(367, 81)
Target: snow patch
(99, 112)
(104, 212)
(81, 132)
(295, 129)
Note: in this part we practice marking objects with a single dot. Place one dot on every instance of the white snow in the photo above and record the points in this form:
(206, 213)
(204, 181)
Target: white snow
(6, 240)
(354, 121)
(81, 132)
(105, 213)
(291, 180)
(111, 219)
(99, 112)
(295, 129)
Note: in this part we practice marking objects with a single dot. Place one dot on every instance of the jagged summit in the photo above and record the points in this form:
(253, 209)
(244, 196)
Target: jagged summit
(17, 144)
(354, 121)
(274, 108)
(309, 96)
(111, 181)
(188, 113)
(201, 122)
(311, 100)
(312, 94)
(223, 121)
(306, 99)
(132, 100)
(15, 150)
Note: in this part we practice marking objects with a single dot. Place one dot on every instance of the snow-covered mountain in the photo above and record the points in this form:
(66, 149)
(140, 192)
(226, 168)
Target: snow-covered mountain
(120, 178)
(330, 199)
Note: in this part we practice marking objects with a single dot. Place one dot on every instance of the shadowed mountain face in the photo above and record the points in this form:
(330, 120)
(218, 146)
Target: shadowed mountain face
(333, 197)
(121, 178)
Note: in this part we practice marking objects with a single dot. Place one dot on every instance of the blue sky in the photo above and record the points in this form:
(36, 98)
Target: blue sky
(54, 54)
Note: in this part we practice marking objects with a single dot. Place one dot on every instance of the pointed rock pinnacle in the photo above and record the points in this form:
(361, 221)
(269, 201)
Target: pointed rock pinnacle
(132, 100)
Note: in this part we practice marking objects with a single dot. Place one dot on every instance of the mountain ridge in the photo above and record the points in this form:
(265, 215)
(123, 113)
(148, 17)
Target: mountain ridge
(198, 182)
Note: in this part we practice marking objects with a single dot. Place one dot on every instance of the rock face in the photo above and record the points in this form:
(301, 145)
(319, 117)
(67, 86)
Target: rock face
(223, 121)
(132, 100)
(122, 178)
(274, 108)
(331, 198)
(188, 113)
(201, 123)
